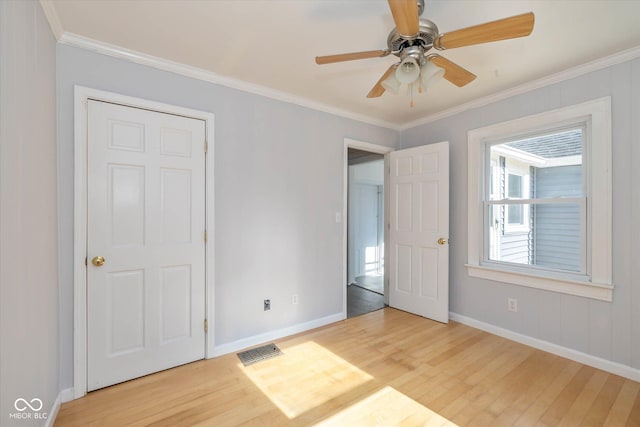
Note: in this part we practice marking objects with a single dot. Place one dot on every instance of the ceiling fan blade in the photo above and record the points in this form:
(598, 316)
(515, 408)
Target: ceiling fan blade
(350, 56)
(405, 15)
(502, 29)
(378, 90)
(452, 71)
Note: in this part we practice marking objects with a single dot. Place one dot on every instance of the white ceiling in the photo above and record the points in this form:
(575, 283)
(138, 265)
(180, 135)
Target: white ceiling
(273, 43)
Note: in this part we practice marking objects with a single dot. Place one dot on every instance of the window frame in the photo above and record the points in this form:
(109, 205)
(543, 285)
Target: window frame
(595, 116)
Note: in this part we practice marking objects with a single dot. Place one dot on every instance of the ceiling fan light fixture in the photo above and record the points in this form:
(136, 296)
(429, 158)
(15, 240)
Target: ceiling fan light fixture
(408, 70)
(431, 74)
(413, 38)
(391, 84)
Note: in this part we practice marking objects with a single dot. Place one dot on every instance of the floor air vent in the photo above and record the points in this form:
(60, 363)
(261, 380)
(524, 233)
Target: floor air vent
(257, 354)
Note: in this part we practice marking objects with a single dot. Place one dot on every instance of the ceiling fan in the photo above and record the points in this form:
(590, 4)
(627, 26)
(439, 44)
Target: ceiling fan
(413, 38)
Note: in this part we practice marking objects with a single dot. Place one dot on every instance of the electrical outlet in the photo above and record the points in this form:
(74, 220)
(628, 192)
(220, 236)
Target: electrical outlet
(512, 304)
(294, 299)
(267, 304)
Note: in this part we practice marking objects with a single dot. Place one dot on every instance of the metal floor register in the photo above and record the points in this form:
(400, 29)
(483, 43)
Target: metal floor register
(257, 354)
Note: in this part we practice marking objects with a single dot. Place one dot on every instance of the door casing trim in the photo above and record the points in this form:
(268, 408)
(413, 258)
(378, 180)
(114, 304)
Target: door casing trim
(372, 148)
(81, 96)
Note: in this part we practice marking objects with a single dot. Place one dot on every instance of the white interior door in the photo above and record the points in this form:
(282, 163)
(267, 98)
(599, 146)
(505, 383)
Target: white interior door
(146, 218)
(419, 231)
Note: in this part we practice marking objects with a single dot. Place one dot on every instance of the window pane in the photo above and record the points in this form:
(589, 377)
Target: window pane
(559, 181)
(544, 166)
(515, 186)
(553, 241)
(557, 236)
(515, 214)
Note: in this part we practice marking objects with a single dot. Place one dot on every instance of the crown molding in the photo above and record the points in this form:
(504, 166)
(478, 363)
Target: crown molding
(75, 40)
(211, 77)
(52, 17)
(570, 73)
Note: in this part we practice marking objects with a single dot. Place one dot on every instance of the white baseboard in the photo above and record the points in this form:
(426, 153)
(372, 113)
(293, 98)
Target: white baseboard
(63, 396)
(67, 395)
(274, 335)
(578, 356)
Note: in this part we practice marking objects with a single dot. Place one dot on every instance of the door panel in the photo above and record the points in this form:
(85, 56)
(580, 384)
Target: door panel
(404, 275)
(428, 264)
(428, 209)
(175, 206)
(146, 217)
(124, 303)
(419, 217)
(175, 287)
(404, 206)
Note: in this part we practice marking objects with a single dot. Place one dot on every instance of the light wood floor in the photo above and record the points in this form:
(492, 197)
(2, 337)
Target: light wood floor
(383, 368)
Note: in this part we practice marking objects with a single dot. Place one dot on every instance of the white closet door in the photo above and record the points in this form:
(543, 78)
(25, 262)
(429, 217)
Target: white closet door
(146, 218)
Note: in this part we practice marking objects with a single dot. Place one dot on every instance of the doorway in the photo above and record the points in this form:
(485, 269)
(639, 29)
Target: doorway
(365, 231)
(415, 246)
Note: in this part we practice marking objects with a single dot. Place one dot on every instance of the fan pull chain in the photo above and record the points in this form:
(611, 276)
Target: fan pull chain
(411, 92)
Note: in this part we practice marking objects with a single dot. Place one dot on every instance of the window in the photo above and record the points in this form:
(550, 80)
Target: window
(543, 199)
(540, 201)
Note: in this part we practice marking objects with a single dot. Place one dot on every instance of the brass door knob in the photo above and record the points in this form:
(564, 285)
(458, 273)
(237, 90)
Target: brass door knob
(98, 261)
(442, 241)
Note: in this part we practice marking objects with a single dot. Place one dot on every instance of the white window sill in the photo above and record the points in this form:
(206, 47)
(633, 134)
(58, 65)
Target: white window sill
(597, 291)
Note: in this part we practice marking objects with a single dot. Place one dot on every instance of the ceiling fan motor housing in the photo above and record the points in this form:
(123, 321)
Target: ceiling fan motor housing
(423, 40)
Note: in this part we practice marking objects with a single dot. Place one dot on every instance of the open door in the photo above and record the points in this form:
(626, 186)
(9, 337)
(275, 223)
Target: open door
(419, 231)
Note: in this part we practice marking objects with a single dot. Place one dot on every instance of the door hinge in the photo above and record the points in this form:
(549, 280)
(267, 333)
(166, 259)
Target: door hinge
(206, 236)
(206, 146)
(206, 326)
(85, 261)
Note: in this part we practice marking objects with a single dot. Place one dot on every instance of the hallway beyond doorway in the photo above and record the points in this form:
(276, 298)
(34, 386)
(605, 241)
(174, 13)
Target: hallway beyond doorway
(362, 301)
(373, 282)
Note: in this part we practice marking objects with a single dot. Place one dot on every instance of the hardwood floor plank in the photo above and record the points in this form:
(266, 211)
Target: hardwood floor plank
(600, 408)
(533, 413)
(634, 415)
(569, 394)
(545, 374)
(383, 368)
(584, 400)
(517, 383)
(621, 410)
(455, 350)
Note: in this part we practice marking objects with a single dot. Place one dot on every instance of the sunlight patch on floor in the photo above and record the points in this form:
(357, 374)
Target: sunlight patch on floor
(386, 407)
(304, 377)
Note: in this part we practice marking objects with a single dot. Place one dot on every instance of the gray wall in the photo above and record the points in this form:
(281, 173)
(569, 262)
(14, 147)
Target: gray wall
(29, 361)
(278, 186)
(603, 329)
